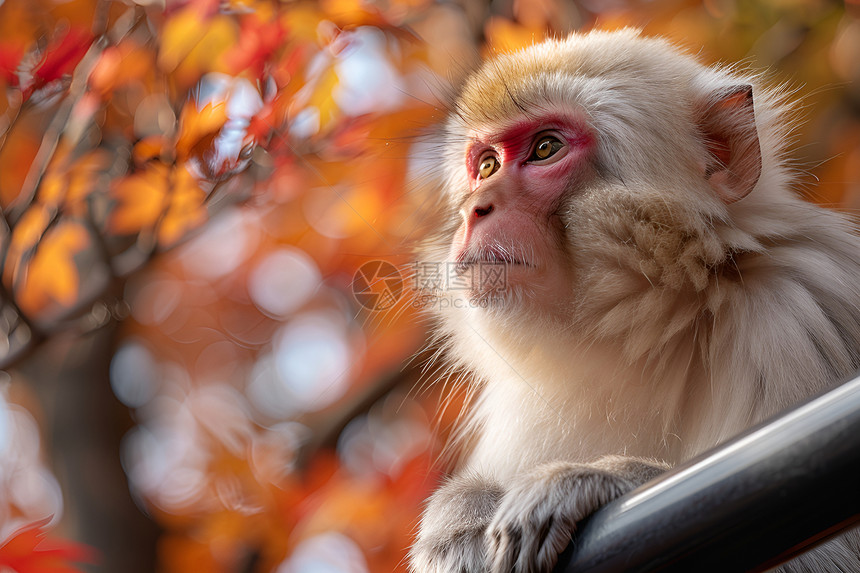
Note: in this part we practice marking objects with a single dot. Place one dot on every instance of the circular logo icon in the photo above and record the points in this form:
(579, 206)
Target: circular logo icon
(377, 285)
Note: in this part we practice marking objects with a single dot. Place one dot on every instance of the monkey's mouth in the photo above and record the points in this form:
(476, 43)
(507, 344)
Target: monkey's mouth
(488, 255)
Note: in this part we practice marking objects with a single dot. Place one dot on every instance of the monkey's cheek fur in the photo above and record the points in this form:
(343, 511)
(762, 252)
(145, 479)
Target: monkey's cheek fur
(518, 289)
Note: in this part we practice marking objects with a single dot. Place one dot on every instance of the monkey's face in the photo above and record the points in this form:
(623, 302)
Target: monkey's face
(598, 172)
(519, 179)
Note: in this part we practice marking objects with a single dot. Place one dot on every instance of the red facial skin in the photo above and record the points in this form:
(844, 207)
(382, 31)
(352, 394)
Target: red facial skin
(511, 215)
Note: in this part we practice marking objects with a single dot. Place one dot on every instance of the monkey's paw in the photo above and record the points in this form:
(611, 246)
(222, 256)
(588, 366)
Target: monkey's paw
(451, 535)
(461, 552)
(538, 515)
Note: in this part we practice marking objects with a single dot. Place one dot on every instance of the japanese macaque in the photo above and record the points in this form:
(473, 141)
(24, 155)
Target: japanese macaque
(664, 288)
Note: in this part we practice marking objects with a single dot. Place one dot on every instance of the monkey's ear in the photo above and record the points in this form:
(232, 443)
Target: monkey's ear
(727, 122)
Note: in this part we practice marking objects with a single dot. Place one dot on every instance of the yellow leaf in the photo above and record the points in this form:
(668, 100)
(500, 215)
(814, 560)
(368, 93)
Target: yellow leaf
(222, 33)
(181, 33)
(193, 43)
(322, 98)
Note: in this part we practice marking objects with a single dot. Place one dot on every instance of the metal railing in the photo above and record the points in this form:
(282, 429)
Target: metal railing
(748, 505)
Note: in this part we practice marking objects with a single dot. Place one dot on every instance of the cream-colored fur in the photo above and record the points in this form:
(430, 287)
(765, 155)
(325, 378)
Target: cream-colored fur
(686, 317)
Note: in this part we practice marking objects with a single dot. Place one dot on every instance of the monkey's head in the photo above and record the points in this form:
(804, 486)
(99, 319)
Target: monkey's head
(599, 184)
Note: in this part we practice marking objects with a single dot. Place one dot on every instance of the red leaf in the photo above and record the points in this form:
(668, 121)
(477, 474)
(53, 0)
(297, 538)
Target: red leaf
(63, 55)
(28, 550)
(258, 40)
(262, 124)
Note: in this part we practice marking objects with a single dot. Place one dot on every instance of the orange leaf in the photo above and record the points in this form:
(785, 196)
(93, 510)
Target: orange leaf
(106, 69)
(29, 229)
(122, 65)
(199, 127)
(28, 550)
(186, 210)
(27, 233)
(168, 197)
(347, 10)
(52, 275)
(148, 148)
(141, 199)
(84, 174)
(68, 182)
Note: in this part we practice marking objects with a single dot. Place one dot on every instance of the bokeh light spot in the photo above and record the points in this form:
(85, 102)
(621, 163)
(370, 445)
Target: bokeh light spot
(312, 358)
(222, 247)
(133, 375)
(283, 281)
(330, 552)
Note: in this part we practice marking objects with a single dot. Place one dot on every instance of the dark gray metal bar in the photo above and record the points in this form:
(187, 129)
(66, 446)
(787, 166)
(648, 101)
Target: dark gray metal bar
(748, 505)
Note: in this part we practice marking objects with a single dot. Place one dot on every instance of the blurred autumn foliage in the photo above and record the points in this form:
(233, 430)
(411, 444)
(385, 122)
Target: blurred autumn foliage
(28, 551)
(210, 174)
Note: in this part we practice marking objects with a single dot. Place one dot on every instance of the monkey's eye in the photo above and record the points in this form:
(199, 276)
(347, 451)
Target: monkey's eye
(489, 165)
(546, 147)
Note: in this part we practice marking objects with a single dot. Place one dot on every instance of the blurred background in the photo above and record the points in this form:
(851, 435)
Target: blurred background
(188, 188)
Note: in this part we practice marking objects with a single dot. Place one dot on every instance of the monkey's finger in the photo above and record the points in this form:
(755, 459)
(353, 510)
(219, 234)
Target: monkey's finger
(553, 538)
(507, 550)
(528, 558)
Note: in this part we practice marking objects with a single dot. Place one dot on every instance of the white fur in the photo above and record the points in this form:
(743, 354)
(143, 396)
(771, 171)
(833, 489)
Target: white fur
(687, 319)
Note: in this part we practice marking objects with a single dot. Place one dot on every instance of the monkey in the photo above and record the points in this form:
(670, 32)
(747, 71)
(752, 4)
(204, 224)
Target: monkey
(665, 287)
